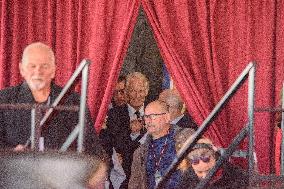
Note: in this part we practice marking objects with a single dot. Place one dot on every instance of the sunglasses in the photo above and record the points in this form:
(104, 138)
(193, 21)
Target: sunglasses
(195, 159)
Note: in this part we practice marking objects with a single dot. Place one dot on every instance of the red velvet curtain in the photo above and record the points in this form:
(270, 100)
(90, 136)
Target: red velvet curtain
(99, 30)
(206, 44)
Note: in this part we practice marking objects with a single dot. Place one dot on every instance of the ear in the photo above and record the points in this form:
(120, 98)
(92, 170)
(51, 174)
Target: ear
(168, 117)
(21, 69)
(53, 71)
(53, 74)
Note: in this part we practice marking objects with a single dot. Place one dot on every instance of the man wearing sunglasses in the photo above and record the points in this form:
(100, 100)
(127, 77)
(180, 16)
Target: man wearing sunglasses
(203, 158)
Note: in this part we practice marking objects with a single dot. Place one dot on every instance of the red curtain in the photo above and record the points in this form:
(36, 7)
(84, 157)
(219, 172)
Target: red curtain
(99, 30)
(206, 45)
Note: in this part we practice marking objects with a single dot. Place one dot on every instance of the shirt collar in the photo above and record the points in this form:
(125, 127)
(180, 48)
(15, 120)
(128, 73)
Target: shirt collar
(132, 111)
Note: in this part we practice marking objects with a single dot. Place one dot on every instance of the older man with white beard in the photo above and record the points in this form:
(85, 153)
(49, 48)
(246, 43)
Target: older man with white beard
(38, 70)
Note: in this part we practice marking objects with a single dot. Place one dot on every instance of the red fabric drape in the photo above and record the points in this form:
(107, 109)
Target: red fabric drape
(206, 44)
(99, 30)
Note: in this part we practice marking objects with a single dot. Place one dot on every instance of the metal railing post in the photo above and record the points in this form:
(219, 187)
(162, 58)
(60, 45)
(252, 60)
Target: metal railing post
(251, 119)
(189, 143)
(83, 108)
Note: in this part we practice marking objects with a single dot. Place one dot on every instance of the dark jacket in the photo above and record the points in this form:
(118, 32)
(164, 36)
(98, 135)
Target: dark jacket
(117, 135)
(232, 177)
(187, 122)
(15, 125)
(138, 169)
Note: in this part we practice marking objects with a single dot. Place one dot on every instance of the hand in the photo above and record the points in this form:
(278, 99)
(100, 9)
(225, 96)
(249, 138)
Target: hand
(104, 126)
(135, 126)
(98, 177)
(19, 148)
(119, 157)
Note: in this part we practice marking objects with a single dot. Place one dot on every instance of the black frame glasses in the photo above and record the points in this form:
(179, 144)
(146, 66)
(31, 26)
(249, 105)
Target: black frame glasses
(153, 116)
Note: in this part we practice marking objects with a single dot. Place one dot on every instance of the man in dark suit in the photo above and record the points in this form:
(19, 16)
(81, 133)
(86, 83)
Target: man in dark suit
(38, 70)
(119, 95)
(124, 127)
(176, 104)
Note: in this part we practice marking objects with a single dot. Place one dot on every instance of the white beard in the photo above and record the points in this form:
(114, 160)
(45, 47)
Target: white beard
(36, 85)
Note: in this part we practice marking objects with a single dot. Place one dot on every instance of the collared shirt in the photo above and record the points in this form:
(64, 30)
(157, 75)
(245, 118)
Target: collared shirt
(133, 116)
(132, 111)
(174, 122)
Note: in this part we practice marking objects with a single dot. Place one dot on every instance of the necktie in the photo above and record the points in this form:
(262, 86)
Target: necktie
(143, 130)
(137, 113)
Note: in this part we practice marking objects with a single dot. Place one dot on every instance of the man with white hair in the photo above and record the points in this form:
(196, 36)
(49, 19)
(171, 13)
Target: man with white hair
(124, 126)
(38, 70)
(176, 104)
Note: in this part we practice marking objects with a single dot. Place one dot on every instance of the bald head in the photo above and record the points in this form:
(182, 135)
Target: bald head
(157, 119)
(38, 46)
(158, 106)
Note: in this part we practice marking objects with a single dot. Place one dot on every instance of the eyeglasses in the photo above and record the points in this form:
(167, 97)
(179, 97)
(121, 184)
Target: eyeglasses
(153, 116)
(195, 159)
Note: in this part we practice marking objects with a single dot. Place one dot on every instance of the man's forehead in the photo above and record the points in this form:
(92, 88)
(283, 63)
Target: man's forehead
(200, 151)
(38, 58)
(136, 82)
(153, 108)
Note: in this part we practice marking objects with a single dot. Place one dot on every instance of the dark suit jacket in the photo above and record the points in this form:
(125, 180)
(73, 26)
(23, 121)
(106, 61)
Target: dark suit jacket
(187, 122)
(232, 177)
(117, 135)
(15, 125)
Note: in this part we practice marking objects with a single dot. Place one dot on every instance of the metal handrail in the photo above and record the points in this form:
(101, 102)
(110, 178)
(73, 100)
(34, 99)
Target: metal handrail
(83, 67)
(190, 142)
(228, 152)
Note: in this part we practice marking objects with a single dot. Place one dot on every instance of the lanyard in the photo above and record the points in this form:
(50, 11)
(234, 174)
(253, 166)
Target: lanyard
(157, 160)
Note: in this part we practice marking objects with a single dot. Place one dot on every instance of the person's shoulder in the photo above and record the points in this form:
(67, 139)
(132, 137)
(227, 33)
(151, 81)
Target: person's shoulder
(118, 110)
(187, 122)
(9, 92)
(178, 130)
(71, 97)
(237, 174)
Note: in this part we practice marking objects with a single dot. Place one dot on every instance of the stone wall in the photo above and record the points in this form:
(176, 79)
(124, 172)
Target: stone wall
(143, 55)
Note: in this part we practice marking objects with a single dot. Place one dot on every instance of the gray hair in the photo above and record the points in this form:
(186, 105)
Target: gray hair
(172, 99)
(38, 45)
(137, 76)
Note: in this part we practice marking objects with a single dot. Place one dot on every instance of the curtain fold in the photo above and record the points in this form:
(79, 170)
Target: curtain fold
(108, 50)
(206, 45)
(99, 30)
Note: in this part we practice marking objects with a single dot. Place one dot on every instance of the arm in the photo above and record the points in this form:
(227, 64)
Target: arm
(138, 171)
(93, 144)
